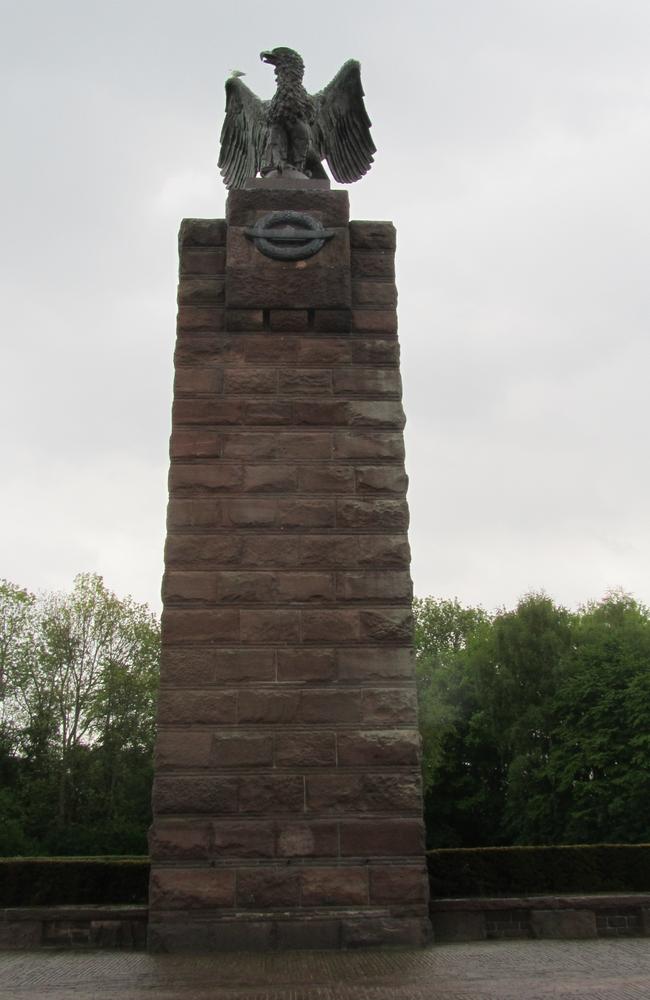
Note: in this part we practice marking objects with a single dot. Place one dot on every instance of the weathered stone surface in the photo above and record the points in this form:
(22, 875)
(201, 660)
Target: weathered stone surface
(267, 887)
(249, 839)
(459, 926)
(563, 923)
(372, 235)
(305, 750)
(287, 760)
(183, 889)
(334, 886)
(315, 839)
(382, 838)
(180, 840)
(378, 749)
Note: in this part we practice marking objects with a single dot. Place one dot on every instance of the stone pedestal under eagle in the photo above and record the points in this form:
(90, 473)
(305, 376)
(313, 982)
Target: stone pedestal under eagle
(290, 134)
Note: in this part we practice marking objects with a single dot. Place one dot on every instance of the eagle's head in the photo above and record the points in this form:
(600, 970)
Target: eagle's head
(286, 62)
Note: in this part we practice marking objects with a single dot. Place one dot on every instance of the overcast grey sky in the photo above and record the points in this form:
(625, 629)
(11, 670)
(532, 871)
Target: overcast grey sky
(514, 157)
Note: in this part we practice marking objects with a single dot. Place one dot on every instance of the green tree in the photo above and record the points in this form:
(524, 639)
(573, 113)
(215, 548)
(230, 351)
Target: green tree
(79, 703)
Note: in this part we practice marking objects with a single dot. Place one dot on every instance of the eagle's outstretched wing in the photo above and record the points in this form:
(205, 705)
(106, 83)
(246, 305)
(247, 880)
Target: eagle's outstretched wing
(342, 125)
(243, 134)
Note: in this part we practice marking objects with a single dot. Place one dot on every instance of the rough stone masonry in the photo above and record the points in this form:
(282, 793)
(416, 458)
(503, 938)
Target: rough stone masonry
(287, 799)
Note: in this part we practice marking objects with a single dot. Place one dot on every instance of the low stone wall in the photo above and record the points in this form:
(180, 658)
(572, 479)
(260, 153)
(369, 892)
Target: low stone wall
(453, 920)
(73, 927)
(611, 915)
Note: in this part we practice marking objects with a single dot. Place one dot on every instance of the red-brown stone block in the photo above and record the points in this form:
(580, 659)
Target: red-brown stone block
(243, 839)
(334, 886)
(382, 838)
(312, 749)
(267, 887)
(315, 839)
(191, 888)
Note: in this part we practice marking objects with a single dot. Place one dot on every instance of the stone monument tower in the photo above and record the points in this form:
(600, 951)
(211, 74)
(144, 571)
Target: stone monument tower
(287, 802)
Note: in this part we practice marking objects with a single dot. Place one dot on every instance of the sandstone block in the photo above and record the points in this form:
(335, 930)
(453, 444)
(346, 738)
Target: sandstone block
(181, 625)
(271, 550)
(270, 478)
(385, 932)
(208, 319)
(186, 666)
(357, 665)
(242, 320)
(372, 235)
(298, 382)
(184, 889)
(241, 750)
(305, 666)
(190, 513)
(385, 550)
(215, 708)
(334, 886)
(382, 838)
(180, 586)
(374, 514)
(318, 626)
(307, 934)
(375, 352)
(305, 750)
(374, 586)
(268, 707)
(202, 233)
(244, 587)
(217, 796)
(347, 794)
(368, 444)
(390, 707)
(334, 551)
(272, 795)
(367, 381)
(326, 479)
(251, 513)
(381, 479)
(373, 293)
(563, 923)
(179, 841)
(271, 350)
(217, 411)
(323, 351)
(243, 665)
(386, 625)
(178, 750)
(294, 588)
(378, 749)
(245, 839)
(306, 513)
(315, 839)
(250, 381)
(257, 887)
(288, 320)
(399, 884)
(201, 291)
(199, 478)
(193, 443)
(378, 264)
(268, 412)
(287, 445)
(196, 381)
(332, 208)
(210, 262)
(331, 706)
(280, 627)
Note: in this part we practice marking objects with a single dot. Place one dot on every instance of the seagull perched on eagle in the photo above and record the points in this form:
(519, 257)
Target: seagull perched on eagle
(293, 132)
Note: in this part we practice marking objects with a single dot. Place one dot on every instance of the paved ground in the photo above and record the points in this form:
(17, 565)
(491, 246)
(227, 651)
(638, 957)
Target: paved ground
(499, 970)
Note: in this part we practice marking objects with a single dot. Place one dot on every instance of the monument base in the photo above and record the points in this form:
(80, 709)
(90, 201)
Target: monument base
(292, 930)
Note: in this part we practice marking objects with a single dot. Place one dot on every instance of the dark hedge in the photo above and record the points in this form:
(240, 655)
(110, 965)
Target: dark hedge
(524, 871)
(73, 881)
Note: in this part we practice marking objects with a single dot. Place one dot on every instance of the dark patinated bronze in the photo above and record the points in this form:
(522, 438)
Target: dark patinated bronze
(301, 235)
(292, 133)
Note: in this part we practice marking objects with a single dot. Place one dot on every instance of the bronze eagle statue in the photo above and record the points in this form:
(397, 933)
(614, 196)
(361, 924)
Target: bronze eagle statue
(293, 132)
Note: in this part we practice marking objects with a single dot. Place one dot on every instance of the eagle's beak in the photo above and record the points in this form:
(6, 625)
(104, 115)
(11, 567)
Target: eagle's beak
(267, 57)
